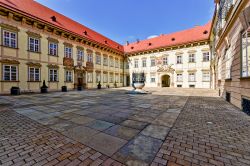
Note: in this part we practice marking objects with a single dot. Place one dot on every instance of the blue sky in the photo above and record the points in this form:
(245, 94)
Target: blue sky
(128, 20)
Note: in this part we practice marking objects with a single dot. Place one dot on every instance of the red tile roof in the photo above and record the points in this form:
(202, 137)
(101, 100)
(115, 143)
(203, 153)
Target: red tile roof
(33, 9)
(198, 33)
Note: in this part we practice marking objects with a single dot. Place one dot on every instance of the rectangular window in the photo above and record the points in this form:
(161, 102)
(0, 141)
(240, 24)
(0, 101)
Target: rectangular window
(90, 57)
(245, 59)
(206, 76)
(90, 77)
(10, 39)
(191, 58)
(53, 49)
(117, 63)
(191, 77)
(152, 62)
(68, 52)
(98, 77)
(53, 75)
(111, 78)
(136, 65)
(191, 86)
(121, 78)
(105, 77)
(111, 60)
(117, 78)
(179, 86)
(219, 68)
(144, 62)
(206, 57)
(34, 74)
(121, 64)
(152, 78)
(68, 76)
(34, 44)
(179, 77)
(98, 59)
(179, 59)
(80, 55)
(228, 58)
(105, 61)
(10, 73)
(165, 60)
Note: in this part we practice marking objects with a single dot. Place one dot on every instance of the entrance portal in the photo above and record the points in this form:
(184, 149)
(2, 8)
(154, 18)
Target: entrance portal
(165, 81)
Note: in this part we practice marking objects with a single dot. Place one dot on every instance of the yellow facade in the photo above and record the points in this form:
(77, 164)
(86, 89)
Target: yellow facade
(23, 59)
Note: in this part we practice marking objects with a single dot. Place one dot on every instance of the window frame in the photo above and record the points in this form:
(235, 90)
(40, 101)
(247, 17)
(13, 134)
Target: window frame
(54, 50)
(68, 76)
(10, 39)
(178, 77)
(208, 74)
(80, 53)
(206, 56)
(98, 59)
(136, 63)
(10, 72)
(247, 63)
(54, 73)
(191, 58)
(194, 76)
(144, 62)
(34, 44)
(152, 62)
(34, 74)
(177, 59)
(68, 52)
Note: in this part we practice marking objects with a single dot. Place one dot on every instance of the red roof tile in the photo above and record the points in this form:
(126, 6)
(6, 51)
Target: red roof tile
(38, 11)
(197, 33)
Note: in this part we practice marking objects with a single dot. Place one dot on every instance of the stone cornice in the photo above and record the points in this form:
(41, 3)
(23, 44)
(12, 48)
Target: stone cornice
(9, 61)
(9, 27)
(33, 34)
(32, 64)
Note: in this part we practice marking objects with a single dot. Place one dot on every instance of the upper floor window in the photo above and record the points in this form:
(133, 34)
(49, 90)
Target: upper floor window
(10, 72)
(105, 60)
(121, 64)
(68, 52)
(165, 60)
(111, 60)
(10, 39)
(53, 47)
(34, 44)
(116, 63)
(34, 74)
(191, 58)
(136, 64)
(105, 77)
(179, 59)
(228, 59)
(144, 62)
(98, 77)
(80, 55)
(90, 57)
(191, 77)
(152, 62)
(90, 77)
(206, 56)
(98, 59)
(245, 57)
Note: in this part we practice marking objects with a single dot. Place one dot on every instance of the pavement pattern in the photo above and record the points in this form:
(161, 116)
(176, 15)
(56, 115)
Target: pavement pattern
(109, 127)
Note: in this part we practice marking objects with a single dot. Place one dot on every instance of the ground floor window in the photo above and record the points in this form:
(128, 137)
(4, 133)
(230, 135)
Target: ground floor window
(179, 86)
(105, 77)
(121, 78)
(191, 86)
(34, 74)
(191, 77)
(53, 75)
(206, 76)
(152, 79)
(98, 77)
(90, 77)
(111, 78)
(245, 59)
(116, 78)
(179, 77)
(10, 72)
(68, 76)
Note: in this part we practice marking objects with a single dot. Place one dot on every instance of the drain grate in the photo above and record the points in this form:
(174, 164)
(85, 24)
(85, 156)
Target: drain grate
(246, 106)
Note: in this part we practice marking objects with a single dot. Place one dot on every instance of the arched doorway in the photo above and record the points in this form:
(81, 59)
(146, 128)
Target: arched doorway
(165, 81)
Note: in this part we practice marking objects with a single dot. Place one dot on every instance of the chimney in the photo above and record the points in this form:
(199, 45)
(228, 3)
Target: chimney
(127, 43)
(137, 41)
(53, 18)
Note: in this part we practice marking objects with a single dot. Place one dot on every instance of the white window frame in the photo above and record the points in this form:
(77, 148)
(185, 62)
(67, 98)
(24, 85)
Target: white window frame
(90, 57)
(136, 63)
(192, 77)
(111, 78)
(11, 72)
(68, 76)
(53, 75)
(165, 60)
(121, 78)
(105, 61)
(191, 58)
(80, 55)
(36, 74)
(116, 63)
(98, 77)
(90, 77)
(10, 40)
(105, 77)
(53, 48)
(179, 77)
(34, 44)
(98, 59)
(206, 56)
(152, 62)
(245, 57)
(68, 52)
(144, 62)
(111, 61)
(179, 59)
(206, 76)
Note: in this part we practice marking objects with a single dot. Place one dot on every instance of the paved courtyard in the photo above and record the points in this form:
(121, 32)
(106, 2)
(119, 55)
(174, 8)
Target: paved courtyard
(109, 127)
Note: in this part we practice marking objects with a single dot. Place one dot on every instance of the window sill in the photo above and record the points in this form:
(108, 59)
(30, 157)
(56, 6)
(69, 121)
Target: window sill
(10, 47)
(8, 81)
(245, 78)
(68, 81)
(53, 81)
(39, 52)
(34, 81)
(192, 62)
(53, 55)
(228, 79)
(205, 81)
(191, 81)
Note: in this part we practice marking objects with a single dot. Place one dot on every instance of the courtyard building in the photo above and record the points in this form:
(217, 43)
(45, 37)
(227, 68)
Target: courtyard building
(180, 59)
(230, 44)
(37, 46)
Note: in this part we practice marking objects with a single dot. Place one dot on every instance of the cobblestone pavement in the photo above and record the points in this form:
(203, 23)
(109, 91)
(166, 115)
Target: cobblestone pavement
(110, 127)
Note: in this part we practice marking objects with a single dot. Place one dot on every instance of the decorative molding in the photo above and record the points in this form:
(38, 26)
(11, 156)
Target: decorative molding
(205, 49)
(97, 53)
(53, 66)
(9, 61)
(69, 68)
(163, 68)
(192, 51)
(53, 40)
(32, 64)
(33, 34)
(105, 72)
(192, 70)
(89, 51)
(68, 61)
(179, 53)
(98, 71)
(80, 47)
(9, 27)
(68, 44)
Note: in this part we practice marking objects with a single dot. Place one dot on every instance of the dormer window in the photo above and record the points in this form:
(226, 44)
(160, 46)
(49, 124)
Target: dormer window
(173, 39)
(53, 18)
(149, 44)
(85, 33)
(132, 48)
(106, 42)
(205, 32)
